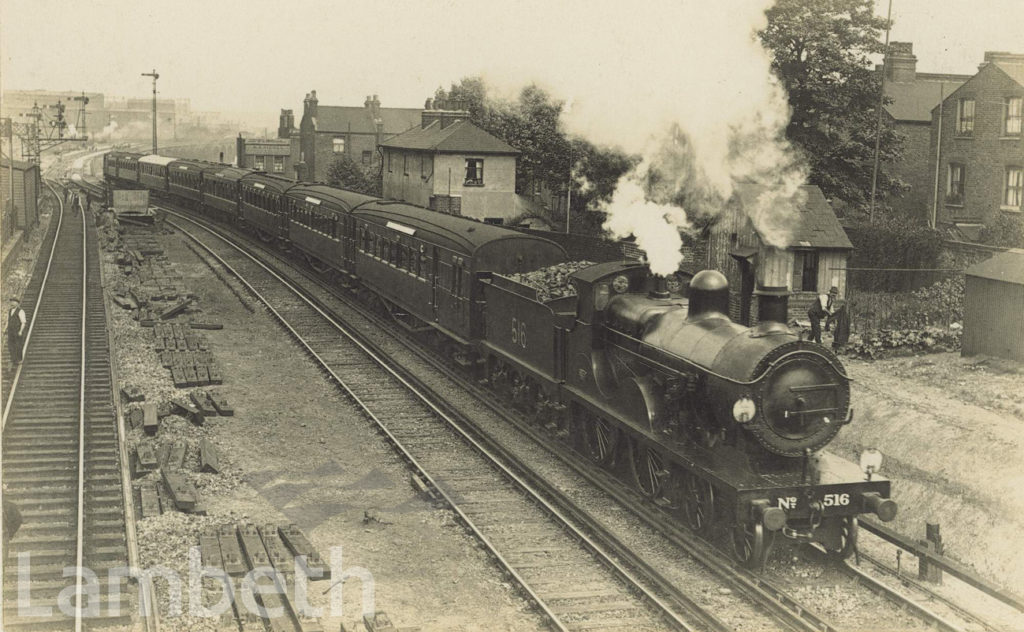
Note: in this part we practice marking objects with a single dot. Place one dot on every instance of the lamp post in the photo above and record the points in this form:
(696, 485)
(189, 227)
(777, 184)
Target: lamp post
(155, 76)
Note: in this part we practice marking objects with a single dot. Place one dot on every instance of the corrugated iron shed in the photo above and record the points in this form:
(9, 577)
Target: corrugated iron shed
(993, 307)
(1006, 266)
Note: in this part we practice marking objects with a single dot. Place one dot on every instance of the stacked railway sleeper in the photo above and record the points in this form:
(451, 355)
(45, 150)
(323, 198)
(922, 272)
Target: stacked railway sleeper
(757, 587)
(536, 545)
(60, 448)
(279, 557)
(165, 413)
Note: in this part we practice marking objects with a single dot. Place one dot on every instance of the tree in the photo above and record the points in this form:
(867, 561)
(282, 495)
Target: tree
(532, 124)
(820, 52)
(348, 174)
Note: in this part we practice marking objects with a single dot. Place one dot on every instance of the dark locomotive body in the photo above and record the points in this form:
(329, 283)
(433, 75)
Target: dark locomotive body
(722, 422)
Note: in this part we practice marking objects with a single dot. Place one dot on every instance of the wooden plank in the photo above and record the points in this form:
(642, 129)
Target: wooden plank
(202, 375)
(280, 556)
(299, 545)
(231, 551)
(186, 409)
(149, 500)
(176, 458)
(145, 459)
(209, 457)
(150, 420)
(252, 545)
(214, 371)
(183, 492)
(209, 549)
(203, 402)
(220, 403)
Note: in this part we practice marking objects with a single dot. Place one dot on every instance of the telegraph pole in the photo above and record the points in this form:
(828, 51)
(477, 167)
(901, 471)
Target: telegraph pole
(878, 123)
(155, 76)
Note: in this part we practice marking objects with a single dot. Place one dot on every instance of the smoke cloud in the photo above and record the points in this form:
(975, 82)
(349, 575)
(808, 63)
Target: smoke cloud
(688, 86)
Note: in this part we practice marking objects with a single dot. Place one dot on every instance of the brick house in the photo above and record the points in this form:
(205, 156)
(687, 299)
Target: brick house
(328, 131)
(977, 149)
(450, 165)
(913, 95)
(813, 259)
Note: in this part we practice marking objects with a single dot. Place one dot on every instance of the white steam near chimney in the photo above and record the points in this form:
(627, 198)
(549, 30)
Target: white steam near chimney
(688, 86)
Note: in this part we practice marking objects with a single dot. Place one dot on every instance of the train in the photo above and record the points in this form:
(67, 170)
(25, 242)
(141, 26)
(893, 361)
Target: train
(721, 424)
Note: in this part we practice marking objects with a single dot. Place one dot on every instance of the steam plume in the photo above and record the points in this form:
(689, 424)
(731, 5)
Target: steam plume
(687, 86)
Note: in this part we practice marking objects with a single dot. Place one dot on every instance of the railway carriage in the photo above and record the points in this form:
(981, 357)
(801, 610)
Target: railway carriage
(123, 164)
(262, 205)
(321, 227)
(185, 179)
(428, 266)
(221, 191)
(153, 172)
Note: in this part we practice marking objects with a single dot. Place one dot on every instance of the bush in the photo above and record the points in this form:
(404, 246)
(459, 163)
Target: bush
(939, 304)
(887, 343)
(348, 174)
(1006, 230)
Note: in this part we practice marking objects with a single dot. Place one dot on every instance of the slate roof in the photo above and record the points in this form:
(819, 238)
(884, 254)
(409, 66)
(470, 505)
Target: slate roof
(814, 225)
(1006, 266)
(359, 120)
(460, 137)
(913, 100)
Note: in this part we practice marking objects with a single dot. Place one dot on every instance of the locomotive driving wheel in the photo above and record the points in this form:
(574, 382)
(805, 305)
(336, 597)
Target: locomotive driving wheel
(751, 543)
(698, 503)
(648, 470)
(600, 440)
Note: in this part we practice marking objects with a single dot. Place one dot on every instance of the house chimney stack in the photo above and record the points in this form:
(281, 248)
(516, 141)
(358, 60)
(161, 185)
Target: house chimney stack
(309, 104)
(901, 64)
(375, 107)
(1003, 58)
(286, 124)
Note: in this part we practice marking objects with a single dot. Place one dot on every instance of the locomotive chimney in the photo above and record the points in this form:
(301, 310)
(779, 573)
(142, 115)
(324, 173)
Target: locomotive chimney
(709, 293)
(772, 304)
(659, 288)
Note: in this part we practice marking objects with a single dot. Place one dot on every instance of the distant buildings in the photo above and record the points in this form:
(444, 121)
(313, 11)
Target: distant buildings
(329, 131)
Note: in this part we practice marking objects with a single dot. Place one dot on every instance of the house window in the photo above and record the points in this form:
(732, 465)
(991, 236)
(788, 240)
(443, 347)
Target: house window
(1014, 185)
(474, 172)
(965, 117)
(278, 164)
(338, 144)
(258, 162)
(805, 271)
(425, 166)
(405, 164)
(366, 157)
(955, 184)
(389, 162)
(1012, 113)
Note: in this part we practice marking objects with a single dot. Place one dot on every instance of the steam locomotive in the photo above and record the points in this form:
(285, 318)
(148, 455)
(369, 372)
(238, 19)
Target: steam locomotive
(644, 375)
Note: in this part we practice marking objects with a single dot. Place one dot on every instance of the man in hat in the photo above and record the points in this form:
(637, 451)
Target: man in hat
(17, 323)
(821, 308)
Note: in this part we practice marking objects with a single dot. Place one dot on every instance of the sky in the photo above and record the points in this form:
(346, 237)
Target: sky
(261, 55)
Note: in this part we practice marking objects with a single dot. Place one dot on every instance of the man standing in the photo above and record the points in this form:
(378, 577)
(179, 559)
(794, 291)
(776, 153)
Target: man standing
(821, 308)
(17, 323)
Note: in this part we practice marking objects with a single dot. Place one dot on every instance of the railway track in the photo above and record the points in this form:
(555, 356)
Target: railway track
(60, 462)
(534, 542)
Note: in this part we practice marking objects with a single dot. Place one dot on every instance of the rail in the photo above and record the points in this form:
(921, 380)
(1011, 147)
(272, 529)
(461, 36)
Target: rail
(956, 569)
